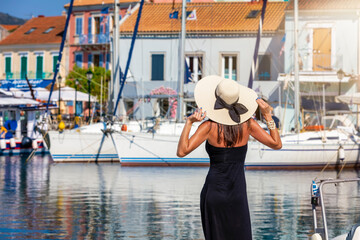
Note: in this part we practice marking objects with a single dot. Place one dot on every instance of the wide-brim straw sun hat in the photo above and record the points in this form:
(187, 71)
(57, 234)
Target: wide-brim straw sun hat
(225, 101)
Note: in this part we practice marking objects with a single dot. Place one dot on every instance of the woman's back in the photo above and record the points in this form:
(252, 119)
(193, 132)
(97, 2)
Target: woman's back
(213, 136)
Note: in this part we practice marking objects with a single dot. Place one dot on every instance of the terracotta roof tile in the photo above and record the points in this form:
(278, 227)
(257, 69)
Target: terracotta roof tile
(325, 4)
(10, 27)
(211, 17)
(78, 3)
(41, 24)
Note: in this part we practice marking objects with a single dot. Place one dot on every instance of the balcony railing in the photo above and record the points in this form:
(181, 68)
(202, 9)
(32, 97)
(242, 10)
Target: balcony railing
(92, 39)
(30, 75)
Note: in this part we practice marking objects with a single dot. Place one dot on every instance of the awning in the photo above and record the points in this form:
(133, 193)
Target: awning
(67, 94)
(8, 101)
(349, 99)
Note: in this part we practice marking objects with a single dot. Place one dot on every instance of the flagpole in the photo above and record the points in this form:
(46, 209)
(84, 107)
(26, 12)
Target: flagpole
(180, 102)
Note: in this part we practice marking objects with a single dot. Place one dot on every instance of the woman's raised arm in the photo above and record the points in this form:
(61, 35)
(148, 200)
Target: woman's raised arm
(273, 140)
(186, 145)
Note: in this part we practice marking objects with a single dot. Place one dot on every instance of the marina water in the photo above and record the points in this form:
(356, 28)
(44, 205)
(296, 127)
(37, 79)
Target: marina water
(43, 200)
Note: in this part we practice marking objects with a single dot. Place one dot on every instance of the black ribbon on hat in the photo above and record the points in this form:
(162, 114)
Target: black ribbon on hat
(235, 109)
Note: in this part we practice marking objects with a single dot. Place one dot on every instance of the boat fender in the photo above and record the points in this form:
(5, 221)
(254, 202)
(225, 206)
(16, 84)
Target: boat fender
(341, 153)
(12, 143)
(316, 236)
(61, 126)
(124, 128)
(35, 144)
(26, 142)
(2, 144)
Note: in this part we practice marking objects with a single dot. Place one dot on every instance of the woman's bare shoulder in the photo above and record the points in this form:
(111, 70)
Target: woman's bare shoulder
(206, 125)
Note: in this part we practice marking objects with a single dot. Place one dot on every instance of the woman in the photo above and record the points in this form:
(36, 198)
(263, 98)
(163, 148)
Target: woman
(229, 107)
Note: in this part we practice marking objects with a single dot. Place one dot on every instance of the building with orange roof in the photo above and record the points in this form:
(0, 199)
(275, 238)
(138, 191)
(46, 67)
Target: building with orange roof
(220, 40)
(328, 41)
(32, 49)
(5, 30)
(90, 31)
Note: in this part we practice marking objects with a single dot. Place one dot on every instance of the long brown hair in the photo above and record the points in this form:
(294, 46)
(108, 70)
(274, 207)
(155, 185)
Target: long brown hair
(231, 134)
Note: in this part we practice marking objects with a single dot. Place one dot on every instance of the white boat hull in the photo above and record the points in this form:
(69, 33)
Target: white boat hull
(143, 149)
(310, 150)
(82, 145)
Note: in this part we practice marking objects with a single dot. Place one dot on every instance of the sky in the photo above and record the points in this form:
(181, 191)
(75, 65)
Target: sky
(28, 8)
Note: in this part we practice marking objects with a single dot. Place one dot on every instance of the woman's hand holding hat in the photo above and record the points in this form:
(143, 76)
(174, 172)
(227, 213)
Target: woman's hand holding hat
(197, 116)
(265, 109)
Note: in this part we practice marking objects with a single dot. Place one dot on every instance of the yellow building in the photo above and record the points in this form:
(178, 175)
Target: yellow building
(32, 50)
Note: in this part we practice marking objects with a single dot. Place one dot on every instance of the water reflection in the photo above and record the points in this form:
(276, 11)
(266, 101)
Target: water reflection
(87, 201)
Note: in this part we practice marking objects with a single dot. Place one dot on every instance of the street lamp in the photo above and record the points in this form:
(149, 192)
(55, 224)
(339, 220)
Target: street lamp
(59, 82)
(76, 86)
(340, 75)
(89, 76)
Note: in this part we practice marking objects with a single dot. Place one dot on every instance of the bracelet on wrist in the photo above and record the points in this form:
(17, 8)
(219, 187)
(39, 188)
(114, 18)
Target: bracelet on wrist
(271, 125)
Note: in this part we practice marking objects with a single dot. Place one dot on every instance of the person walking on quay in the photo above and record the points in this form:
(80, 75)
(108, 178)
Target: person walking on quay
(229, 107)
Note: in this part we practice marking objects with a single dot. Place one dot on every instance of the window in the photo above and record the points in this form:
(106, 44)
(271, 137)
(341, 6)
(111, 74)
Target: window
(96, 60)
(39, 66)
(253, 13)
(195, 64)
(23, 68)
(78, 59)
(78, 27)
(89, 60)
(55, 60)
(229, 67)
(31, 30)
(49, 30)
(264, 64)
(107, 61)
(157, 67)
(8, 67)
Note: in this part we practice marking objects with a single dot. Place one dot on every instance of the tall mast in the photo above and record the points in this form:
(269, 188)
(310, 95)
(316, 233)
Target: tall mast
(296, 68)
(116, 60)
(180, 100)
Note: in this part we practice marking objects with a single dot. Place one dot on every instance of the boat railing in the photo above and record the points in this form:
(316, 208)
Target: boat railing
(317, 196)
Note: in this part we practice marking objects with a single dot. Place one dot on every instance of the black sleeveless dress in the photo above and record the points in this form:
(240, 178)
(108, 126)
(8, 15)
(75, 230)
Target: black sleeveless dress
(223, 200)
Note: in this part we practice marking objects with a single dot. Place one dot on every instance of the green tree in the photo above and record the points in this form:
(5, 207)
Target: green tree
(95, 86)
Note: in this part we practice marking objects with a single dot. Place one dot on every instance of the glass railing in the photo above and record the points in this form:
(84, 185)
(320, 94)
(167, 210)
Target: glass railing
(318, 62)
(93, 38)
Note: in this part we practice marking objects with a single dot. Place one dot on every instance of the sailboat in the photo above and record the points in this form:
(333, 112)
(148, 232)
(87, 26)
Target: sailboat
(336, 146)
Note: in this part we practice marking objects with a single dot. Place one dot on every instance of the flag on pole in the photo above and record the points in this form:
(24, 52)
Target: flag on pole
(128, 11)
(283, 45)
(174, 15)
(191, 15)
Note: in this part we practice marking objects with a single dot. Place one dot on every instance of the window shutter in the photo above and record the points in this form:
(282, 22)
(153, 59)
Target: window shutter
(23, 67)
(157, 67)
(89, 30)
(101, 60)
(55, 59)
(107, 61)
(89, 60)
(39, 67)
(8, 64)
(101, 25)
(78, 60)
(78, 26)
